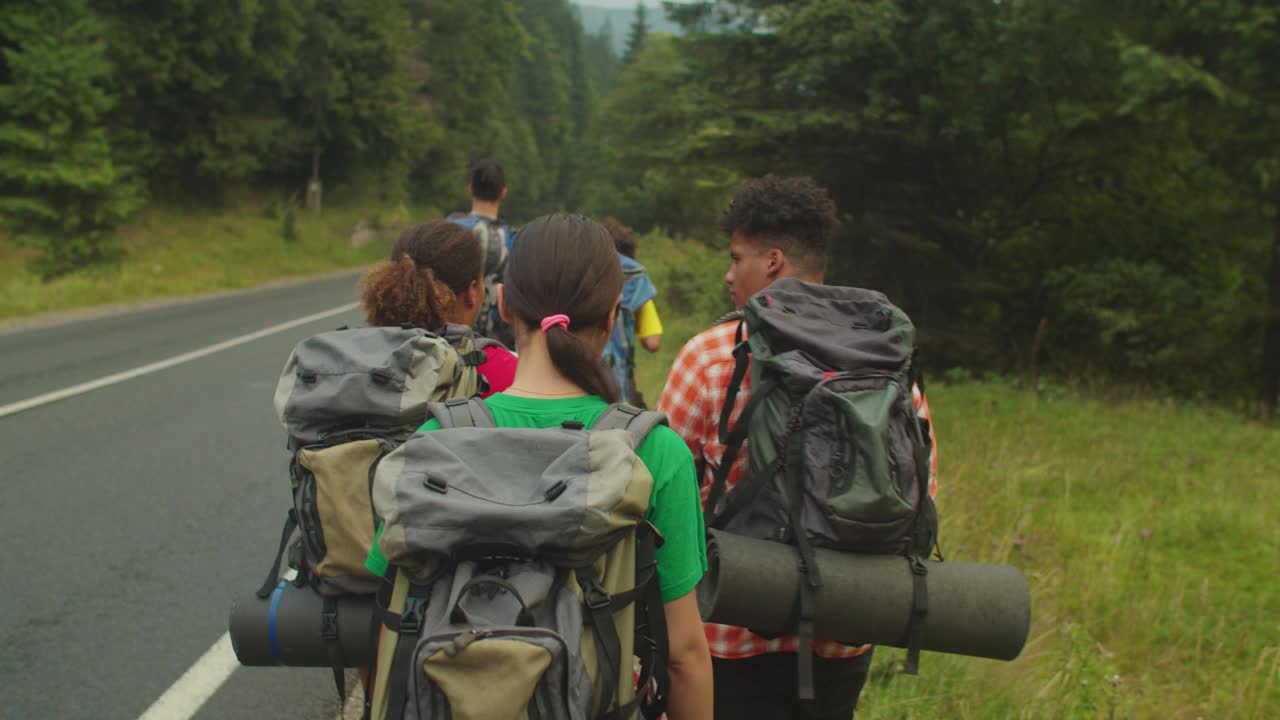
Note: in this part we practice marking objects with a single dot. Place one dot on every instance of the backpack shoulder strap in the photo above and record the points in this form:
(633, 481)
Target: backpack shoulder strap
(623, 416)
(463, 412)
(469, 346)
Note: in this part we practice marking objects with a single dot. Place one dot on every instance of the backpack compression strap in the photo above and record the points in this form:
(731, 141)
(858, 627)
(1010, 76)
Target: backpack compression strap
(407, 625)
(650, 630)
(647, 595)
(333, 646)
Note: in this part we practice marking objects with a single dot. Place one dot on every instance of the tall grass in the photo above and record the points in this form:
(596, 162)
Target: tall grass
(1147, 530)
(1148, 535)
(176, 252)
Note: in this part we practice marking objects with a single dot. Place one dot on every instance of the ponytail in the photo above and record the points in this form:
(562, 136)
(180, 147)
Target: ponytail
(567, 264)
(582, 366)
(394, 293)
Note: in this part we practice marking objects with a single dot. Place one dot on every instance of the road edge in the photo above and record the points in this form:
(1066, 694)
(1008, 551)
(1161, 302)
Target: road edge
(60, 317)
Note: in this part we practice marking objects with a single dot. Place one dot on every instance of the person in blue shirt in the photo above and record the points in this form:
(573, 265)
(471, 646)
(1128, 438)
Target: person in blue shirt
(637, 315)
(487, 188)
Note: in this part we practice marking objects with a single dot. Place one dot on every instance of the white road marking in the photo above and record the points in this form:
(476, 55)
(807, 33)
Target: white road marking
(185, 697)
(55, 396)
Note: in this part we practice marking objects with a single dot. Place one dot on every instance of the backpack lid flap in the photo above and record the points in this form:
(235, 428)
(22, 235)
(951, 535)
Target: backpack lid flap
(563, 495)
(376, 377)
(827, 326)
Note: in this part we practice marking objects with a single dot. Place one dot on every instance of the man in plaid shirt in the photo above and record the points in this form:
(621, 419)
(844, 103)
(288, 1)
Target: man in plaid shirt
(778, 227)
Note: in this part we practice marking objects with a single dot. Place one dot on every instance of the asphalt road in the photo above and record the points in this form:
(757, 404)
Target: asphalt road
(131, 515)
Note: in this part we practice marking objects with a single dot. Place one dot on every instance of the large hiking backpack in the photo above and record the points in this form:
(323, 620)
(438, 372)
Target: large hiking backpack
(534, 577)
(838, 457)
(495, 241)
(347, 398)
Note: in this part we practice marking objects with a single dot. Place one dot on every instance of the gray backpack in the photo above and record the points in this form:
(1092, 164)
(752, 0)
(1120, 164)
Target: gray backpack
(532, 574)
(347, 398)
(493, 238)
(838, 457)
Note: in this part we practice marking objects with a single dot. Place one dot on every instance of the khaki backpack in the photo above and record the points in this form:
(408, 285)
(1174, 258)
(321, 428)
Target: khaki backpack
(526, 574)
(348, 398)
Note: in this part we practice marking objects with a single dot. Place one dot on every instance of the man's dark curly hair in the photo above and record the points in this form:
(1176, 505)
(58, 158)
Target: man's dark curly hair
(792, 214)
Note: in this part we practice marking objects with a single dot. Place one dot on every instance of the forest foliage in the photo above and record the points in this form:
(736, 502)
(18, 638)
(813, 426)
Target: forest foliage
(1074, 186)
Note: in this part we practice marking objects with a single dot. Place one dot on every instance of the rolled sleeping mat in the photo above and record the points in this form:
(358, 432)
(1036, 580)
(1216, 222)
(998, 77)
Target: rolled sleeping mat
(287, 628)
(973, 608)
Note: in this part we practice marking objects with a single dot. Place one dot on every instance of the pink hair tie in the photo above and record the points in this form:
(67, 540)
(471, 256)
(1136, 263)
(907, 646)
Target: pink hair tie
(551, 321)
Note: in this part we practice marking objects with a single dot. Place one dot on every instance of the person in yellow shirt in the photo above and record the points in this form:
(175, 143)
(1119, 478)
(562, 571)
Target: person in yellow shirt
(649, 327)
(637, 315)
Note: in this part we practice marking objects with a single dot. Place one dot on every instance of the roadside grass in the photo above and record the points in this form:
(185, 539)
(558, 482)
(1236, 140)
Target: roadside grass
(1147, 530)
(176, 252)
(1147, 533)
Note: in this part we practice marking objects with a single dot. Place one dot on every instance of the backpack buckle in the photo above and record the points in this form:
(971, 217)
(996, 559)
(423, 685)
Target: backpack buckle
(410, 619)
(594, 596)
(329, 625)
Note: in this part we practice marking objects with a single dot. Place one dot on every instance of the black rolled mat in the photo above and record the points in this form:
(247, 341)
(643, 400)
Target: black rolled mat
(974, 609)
(287, 628)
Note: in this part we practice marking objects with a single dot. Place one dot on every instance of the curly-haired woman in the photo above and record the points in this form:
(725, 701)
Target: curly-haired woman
(432, 280)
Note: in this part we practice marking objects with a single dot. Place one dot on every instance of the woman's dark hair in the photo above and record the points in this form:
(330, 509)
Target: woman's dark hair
(621, 234)
(566, 264)
(487, 180)
(430, 265)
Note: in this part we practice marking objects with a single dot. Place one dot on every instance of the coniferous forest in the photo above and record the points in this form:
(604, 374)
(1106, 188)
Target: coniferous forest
(1070, 186)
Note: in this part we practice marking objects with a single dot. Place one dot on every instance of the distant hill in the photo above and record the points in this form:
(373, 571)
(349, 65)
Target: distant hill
(593, 16)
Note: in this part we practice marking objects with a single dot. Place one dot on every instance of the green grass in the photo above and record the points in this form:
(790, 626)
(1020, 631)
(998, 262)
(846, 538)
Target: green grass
(691, 295)
(1148, 536)
(171, 252)
(1147, 530)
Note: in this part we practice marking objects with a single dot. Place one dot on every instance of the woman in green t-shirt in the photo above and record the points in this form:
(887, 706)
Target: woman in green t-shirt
(563, 286)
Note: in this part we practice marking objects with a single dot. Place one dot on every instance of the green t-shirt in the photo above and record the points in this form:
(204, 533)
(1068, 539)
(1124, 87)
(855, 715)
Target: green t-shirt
(675, 507)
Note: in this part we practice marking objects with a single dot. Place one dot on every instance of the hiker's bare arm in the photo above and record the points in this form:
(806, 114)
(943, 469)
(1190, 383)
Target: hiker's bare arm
(651, 343)
(690, 661)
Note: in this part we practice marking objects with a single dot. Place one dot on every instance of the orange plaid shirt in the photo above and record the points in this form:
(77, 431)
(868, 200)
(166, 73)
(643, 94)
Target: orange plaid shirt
(692, 399)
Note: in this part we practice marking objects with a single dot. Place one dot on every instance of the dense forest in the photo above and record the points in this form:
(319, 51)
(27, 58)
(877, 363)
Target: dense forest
(1079, 187)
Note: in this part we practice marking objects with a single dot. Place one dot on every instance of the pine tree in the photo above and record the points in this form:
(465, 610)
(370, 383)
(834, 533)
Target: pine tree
(60, 192)
(635, 38)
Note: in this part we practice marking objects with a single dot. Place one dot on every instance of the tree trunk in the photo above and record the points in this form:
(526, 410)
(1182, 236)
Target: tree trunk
(1269, 388)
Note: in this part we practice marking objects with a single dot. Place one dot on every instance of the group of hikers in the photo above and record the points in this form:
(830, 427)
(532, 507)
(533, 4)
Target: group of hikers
(637, 316)
(556, 311)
